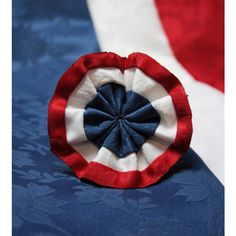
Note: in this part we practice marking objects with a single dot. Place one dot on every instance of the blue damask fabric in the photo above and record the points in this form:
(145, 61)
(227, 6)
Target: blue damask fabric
(118, 120)
(48, 199)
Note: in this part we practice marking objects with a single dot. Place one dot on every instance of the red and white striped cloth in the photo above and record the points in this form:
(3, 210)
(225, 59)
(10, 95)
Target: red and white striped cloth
(187, 37)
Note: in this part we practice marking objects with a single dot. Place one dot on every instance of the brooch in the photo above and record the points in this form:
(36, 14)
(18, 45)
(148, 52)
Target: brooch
(119, 122)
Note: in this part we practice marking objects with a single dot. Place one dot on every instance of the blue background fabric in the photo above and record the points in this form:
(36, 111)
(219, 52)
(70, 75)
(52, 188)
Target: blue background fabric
(119, 121)
(48, 200)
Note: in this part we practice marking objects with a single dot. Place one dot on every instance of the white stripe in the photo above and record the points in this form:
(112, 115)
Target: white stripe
(124, 27)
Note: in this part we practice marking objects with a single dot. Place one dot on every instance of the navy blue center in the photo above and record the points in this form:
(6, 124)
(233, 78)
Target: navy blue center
(118, 120)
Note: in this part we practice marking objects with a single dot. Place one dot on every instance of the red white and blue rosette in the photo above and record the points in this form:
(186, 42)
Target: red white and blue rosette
(119, 122)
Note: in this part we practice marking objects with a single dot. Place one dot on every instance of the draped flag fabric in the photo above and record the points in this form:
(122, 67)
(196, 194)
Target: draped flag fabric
(186, 37)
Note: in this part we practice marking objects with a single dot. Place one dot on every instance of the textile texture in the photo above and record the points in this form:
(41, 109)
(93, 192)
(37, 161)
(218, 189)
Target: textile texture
(48, 199)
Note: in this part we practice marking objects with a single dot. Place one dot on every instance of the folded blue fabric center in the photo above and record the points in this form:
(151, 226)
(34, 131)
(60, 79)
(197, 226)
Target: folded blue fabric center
(118, 120)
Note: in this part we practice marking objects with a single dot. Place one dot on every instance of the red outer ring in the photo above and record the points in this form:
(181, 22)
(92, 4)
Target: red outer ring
(100, 173)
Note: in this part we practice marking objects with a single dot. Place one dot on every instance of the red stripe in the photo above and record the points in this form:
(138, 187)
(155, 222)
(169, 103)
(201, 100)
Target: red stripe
(97, 172)
(195, 30)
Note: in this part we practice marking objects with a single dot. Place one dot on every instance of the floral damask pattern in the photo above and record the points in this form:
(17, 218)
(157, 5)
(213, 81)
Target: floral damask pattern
(48, 200)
